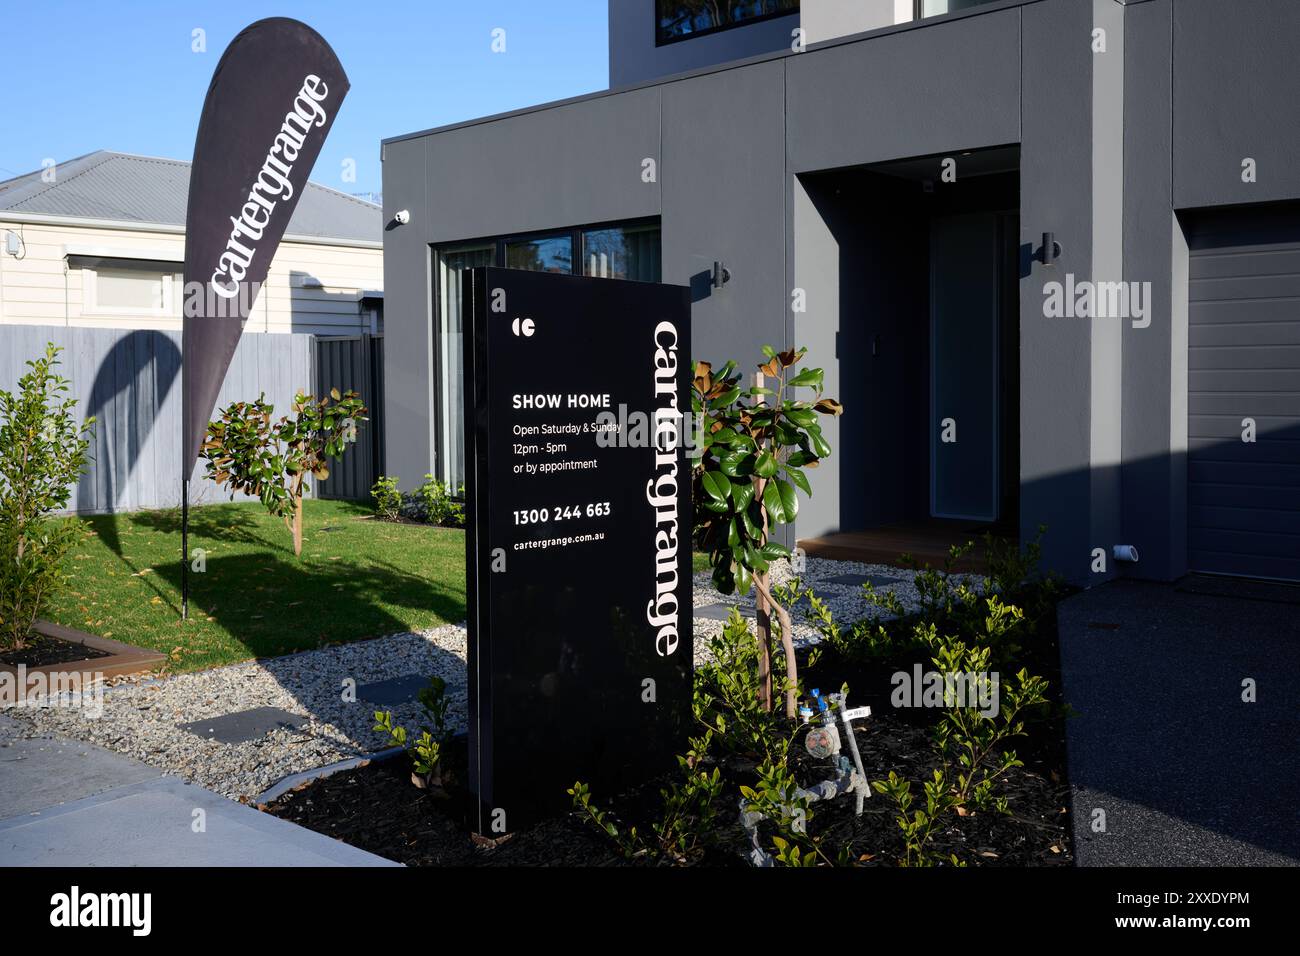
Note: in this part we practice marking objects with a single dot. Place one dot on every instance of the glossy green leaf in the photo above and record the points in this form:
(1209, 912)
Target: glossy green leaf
(789, 499)
(716, 485)
(800, 479)
(773, 503)
(742, 493)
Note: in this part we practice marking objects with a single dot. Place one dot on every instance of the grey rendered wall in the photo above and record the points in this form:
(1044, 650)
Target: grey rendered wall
(1236, 86)
(723, 176)
(634, 57)
(130, 381)
(943, 86)
(1154, 408)
(1056, 354)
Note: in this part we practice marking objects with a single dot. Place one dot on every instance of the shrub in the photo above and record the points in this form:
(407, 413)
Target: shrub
(42, 454)
(247, 452)
(388, 499)
(437, 505)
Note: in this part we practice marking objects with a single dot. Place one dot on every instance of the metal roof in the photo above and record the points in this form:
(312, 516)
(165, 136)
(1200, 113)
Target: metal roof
(123, 187)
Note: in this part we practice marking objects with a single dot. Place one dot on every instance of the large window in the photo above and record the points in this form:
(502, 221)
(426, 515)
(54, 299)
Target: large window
(681, 19)
(626, 250)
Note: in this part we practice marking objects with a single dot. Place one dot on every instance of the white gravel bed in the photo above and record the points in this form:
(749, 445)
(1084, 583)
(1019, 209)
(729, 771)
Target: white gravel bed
(140, 718)
(845, 601)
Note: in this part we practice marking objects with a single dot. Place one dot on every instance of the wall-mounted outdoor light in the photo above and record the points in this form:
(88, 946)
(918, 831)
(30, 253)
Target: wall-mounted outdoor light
(721, 275)
(1050, 251)
(13, 243)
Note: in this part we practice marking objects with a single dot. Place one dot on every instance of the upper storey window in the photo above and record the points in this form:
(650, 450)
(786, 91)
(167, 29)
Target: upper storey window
(683, 19)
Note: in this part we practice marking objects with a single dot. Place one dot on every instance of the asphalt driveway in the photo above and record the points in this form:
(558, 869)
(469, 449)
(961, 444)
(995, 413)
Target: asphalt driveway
(1169, 765)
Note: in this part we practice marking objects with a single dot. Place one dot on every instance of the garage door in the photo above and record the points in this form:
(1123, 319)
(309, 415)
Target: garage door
(1244, 363)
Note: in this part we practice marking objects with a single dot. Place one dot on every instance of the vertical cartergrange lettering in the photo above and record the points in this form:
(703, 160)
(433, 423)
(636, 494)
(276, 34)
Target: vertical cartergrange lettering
(661, 493)
(270, 187)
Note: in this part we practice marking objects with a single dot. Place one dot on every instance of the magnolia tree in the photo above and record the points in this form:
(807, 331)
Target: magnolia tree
(755, 444)
(246, 451)
(42, 454)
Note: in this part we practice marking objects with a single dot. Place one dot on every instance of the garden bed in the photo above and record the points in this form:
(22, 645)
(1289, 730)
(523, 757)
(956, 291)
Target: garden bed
(375, 807)
(54, 648)
(1012, 810)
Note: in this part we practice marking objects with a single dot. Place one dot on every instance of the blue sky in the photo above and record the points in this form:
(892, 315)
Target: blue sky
(81, 76)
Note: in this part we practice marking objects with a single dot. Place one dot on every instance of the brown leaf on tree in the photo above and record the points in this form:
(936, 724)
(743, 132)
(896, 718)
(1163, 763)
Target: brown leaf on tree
(828, 406)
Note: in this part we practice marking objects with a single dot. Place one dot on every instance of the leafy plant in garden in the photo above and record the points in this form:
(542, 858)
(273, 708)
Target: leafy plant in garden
(426, 750)
(42, 454)
(688, 818)
(973, 744)
(755, 445)
(919, 825)
(437, 504)
(726, 699)
(245, 451)
(388, 499)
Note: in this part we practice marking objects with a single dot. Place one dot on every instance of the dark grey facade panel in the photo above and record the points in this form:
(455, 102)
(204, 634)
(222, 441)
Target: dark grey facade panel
(1236, 90)
(1153, 413)
(408, 316)
(944, 86)
(573, 164)
(723, 177)
(1055, 354)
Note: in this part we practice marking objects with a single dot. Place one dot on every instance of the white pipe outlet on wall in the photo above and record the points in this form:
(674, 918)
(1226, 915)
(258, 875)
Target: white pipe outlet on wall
(1126, 552)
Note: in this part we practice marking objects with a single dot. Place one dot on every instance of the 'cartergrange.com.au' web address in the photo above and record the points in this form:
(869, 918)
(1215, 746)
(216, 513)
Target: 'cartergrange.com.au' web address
(544, 543)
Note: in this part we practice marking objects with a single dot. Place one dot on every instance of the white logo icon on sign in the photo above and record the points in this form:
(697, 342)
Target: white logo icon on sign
(523, 327)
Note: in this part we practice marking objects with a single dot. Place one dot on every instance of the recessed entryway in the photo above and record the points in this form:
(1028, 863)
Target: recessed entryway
(911, 270)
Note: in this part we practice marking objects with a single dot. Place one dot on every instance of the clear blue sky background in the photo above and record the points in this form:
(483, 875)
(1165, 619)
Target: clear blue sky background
(81, 76)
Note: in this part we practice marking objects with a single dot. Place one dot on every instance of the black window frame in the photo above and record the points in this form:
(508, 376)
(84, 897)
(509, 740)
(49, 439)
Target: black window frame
(498, 244)
(661, 40)
(575, 233)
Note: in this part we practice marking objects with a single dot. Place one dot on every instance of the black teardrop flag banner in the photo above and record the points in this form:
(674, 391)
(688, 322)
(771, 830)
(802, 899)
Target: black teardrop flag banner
(270, 105)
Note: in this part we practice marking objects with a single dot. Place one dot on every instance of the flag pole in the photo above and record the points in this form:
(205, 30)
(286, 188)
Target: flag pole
(185, 549)
(185, 496)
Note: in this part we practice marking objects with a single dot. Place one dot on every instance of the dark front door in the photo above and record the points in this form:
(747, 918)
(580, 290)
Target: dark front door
(965, 400)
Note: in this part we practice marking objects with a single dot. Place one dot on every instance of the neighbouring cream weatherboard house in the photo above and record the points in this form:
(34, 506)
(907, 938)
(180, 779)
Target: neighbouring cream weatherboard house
(99, 241)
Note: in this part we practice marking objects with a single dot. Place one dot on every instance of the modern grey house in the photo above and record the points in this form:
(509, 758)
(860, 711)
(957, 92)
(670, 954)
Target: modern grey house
(1048, 252)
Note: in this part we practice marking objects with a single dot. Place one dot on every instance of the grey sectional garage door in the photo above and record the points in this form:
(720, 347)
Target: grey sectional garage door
(1244, 362)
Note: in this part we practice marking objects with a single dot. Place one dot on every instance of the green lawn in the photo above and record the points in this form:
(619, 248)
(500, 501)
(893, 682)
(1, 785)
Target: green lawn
(357, 578)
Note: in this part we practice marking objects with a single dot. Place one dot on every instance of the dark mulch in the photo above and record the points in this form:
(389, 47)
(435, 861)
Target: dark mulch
(376, 807)
(43, 650)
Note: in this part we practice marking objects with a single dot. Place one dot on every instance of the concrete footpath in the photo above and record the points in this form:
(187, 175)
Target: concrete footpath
(1169, 766)
(68, 803)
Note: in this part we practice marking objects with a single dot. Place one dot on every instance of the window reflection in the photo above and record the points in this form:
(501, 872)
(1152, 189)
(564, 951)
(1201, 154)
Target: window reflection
(678, 19)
